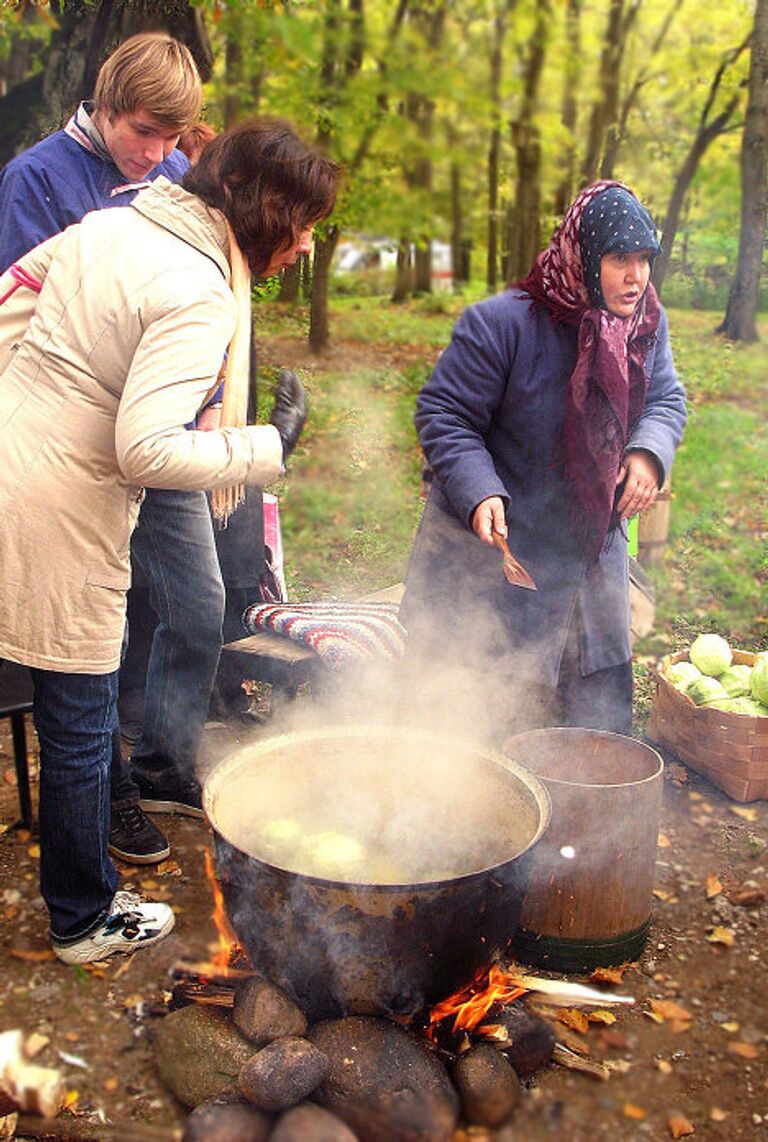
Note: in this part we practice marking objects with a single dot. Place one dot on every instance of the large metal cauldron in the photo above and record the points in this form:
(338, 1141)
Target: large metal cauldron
(459, 818)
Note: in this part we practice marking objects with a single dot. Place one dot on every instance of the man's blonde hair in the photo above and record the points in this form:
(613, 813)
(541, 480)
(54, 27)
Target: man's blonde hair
(154, 73)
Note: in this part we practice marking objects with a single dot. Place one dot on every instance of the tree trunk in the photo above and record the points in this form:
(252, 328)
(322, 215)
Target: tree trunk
(457, 228)
(503, 8)
(605, 108)
(403, 272)
(524, 225)
(707, 131)
(319, 332)
(290, 282)
(740, 322)
(571, 77)
(85, 35)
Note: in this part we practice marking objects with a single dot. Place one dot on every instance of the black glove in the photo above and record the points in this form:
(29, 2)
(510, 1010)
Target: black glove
(290, 410)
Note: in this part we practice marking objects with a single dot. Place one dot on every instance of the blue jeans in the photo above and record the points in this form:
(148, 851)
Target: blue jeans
(75, 716)
(174, 546)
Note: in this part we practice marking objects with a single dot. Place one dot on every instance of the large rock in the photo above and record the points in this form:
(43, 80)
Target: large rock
(282, 1074)
(263, 1012)
(489, 1087)
(200, 1053)
(310, 1123)
(227, 1122)
(384, 1082)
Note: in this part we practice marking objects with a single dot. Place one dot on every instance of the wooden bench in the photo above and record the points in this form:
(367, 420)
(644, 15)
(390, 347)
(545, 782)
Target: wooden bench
(281, 662)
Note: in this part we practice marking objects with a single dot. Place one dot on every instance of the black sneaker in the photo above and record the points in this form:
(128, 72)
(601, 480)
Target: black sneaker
(170, 794)
(133, 837)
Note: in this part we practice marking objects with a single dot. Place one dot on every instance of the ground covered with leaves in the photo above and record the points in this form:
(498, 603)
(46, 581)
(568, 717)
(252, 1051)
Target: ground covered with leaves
(687, 1059)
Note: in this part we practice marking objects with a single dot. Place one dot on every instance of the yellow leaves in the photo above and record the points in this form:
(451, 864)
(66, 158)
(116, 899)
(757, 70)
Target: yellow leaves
(679, 1126)
(664, 1066)
(111, 1084)
(717, 1114)
(33, 852)
(664, 841)
(71, 1099)
(731, 1027)
(609, 975)
(664, 896)
(743, 812)
(605, 1017)
(724, 936)
(667, 1011)
(637, 1113)
(714, 886)
(574, 1019)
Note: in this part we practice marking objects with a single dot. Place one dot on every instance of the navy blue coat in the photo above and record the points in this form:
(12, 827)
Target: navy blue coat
(489, 420)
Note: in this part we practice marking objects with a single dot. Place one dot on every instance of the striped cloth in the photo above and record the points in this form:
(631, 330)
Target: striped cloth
(343, 634)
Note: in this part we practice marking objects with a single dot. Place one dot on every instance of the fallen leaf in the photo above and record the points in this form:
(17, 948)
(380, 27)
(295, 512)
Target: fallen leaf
(693, 796)
(35, 1044)
(747, 897)
(664, 1066)
(71, 1036)
(70, 1099)
(609, 975)
(664, 841)
(4, 829)
(574, 1019)
(602, 1017)
(743, 1050)
(111, 1083)
(718, 1115)
(714, 887)
(635, 1112)
(34, 852)
(663, 895)
(724, 936)
(743, 812)
(670, 1012)
(133, 1000)
(33, 955)
(679, 1126)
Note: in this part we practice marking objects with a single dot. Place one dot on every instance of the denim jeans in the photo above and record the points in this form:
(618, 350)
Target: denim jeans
(174, 546)
(75, 716)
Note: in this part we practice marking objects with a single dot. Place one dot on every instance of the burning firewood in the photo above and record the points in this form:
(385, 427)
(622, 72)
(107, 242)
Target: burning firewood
(24, 1085)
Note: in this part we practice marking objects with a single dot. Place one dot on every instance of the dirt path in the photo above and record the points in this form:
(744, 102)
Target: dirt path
(692, 1050)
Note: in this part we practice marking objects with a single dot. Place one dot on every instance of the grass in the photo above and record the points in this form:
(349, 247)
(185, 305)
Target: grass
(350, 502)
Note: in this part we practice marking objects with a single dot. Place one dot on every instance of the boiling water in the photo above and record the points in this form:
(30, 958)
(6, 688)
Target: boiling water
(374, 814)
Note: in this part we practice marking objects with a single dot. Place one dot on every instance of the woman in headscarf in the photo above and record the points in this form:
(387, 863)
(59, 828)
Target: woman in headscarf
(551, 418)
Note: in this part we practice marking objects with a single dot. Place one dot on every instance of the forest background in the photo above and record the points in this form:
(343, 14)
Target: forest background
(473, 123)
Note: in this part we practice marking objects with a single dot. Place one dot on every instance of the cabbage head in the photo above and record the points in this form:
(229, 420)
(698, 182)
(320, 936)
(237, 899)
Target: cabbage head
(681, 674)
(741, 705)
(736, 679)
(758, 681)
(704, 690)
(711, 653)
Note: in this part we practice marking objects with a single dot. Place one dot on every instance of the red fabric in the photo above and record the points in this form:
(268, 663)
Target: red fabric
(606, 390)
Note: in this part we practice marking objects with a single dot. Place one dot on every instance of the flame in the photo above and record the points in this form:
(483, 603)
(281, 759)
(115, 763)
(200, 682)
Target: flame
(229, 948)
(471, 1003)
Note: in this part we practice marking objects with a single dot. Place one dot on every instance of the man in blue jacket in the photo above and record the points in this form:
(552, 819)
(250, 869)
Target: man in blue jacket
(146, 93)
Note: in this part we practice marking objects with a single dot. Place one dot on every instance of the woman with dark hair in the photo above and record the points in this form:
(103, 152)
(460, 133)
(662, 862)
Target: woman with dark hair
(128, 316)
(551, 418)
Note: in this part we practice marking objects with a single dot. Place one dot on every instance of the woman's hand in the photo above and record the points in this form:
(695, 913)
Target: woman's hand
(641, 473)
(488, 517)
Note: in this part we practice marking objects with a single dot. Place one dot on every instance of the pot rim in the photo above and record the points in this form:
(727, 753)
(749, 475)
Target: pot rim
(577, 732)
(530, 780)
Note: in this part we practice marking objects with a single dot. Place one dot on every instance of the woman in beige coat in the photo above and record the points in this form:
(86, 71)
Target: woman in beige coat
(133, 315)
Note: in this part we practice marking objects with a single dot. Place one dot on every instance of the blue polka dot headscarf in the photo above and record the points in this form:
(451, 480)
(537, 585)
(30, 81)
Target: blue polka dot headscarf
(614, 221)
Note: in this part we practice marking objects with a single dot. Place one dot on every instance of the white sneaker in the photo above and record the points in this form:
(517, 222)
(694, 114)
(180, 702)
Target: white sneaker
(132, 923)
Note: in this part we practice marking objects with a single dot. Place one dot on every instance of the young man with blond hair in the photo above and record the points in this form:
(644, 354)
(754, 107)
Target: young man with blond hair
(147, 92)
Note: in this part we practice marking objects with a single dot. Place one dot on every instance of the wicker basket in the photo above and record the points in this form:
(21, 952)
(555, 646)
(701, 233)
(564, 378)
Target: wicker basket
(731, 750)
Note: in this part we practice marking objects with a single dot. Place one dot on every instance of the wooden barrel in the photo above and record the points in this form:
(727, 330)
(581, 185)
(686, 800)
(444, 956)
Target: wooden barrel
(590, 878)
(653, 529)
